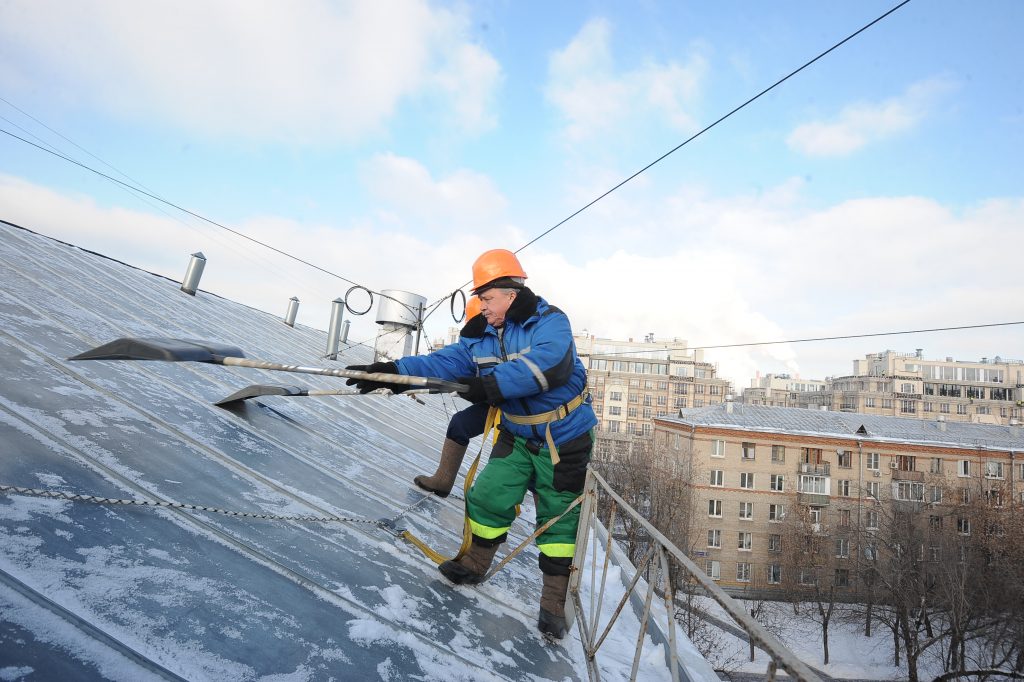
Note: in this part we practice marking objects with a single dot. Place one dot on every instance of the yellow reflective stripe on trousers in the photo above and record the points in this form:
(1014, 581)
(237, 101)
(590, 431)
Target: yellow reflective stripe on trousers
(558, 549)
(486, 532)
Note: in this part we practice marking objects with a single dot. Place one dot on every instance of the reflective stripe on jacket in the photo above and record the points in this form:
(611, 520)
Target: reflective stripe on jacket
(530, 368)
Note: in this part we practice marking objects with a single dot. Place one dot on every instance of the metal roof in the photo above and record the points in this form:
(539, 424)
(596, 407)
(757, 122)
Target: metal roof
(800, 421)
(100, 591)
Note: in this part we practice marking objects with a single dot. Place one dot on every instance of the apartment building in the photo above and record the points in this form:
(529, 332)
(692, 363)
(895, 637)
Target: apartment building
(756, 469)
(775, 390)
(632, 382)
(989, 391)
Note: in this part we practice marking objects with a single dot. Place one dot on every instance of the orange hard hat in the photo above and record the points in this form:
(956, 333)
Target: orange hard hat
(472, 307)
(495, 264)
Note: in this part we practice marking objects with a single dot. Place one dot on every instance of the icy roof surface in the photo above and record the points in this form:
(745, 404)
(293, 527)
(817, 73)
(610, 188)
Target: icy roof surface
(801, 421)
(91, 591)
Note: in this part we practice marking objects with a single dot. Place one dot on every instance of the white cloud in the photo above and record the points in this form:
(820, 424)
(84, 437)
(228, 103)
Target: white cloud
(594, 97)
(860, 124)
(725, 270)
(296, 72)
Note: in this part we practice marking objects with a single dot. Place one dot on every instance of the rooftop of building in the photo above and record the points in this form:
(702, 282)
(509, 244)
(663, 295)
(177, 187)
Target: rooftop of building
(875, 428)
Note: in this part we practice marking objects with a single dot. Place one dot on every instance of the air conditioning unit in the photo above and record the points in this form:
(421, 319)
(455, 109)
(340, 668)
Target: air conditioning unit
(877, 473)
(892, 464)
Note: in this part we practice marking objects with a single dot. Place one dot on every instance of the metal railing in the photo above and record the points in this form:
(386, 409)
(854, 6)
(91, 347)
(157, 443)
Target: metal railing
(593, 633)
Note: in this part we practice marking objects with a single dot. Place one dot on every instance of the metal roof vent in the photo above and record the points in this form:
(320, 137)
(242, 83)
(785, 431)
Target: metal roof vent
(398, 315)
(193, 273)
(334, 328)
(344, 331)
(941, 421)
(293, 310)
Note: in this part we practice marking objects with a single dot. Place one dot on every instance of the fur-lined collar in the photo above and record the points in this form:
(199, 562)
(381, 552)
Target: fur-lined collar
(522, 309)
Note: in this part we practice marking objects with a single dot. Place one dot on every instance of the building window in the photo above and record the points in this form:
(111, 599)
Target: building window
(963, 525)
(718, 448)
(844, 518)
(842, 548)
(778, 453)
(747, 481)
(994, 497)
(743, 541)
(908, 490)
(717, 478)
(843, 488)
(870, 552)
(615, 395)
(908, 406)
(713, 569)
(746, 510)
(929, 407)
(935, 523)
(681, 402)
(648, 429)
(994, 470)
(872, 461)
(698, 402)
(615, 411)
(905, 463)
(936, 465)
(963, 468)
(842, 578)
(647, 413)
(662, 400)
(613, 427)
(807, 576)
(774, 543)
(845, 458)
(715, 508)
(936, 494)
(647, 401)
(871, 520)
(748, 451)
(743, 572)
(944, 408)
(869, 402)
(776, 512)
(817, 485)
(778, 483)
(871, 490)
(961, 409)
(887, 403)
(1020, 471)
(774, 574)
(714, 538)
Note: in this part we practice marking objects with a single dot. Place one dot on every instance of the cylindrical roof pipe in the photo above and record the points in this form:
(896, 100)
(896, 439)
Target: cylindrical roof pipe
(334, 328)
(293, 310)
(193, 273)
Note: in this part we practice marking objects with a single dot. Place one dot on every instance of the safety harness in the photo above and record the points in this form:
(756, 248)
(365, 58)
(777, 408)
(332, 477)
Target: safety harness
(546, 418)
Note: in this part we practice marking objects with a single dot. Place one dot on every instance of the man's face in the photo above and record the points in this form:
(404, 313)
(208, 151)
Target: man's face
(494, 303)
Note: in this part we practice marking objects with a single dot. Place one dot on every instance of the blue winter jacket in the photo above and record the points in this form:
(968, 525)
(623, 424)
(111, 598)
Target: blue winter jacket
(531, 368)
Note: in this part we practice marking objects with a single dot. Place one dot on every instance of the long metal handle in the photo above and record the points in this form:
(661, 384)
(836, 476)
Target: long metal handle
(384, 378)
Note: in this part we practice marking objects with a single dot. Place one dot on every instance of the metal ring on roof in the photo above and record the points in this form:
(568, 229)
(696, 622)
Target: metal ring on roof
(451, 305)
(368, 305)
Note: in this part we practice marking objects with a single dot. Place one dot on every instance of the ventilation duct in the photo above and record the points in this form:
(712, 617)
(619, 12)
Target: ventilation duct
(334, 328)
(398, 316)
(293, 310)
(193, 273)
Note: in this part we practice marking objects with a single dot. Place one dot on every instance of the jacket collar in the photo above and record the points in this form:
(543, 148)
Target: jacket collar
(524, 307)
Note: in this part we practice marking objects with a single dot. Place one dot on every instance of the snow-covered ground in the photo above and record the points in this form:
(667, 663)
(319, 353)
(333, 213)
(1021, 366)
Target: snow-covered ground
(851, 654)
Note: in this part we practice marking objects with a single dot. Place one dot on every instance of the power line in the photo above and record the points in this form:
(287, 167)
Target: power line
(704, 130)
(712, 125)
(818, 338)
(196, 215)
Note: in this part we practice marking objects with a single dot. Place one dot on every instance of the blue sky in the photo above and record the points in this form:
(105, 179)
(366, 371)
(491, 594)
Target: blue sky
(391, 142)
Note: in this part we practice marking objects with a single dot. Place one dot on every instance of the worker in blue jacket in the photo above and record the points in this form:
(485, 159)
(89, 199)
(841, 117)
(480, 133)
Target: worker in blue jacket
(524, 363)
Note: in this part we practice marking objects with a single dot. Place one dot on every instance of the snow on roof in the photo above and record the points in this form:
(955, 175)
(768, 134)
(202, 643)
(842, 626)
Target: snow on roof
(89, 590)
(825, 423)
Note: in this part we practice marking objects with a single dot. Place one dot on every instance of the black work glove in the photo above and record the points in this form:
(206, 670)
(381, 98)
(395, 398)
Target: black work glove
(365, 385)
(476, 392)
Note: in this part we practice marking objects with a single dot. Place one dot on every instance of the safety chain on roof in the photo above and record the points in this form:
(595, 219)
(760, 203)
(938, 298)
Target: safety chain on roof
(75, 497)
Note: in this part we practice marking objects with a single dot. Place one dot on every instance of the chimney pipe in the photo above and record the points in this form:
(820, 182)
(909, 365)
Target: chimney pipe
(334, 328)
(293, 309)
(193, 273)
(398, 317)
(344, 331)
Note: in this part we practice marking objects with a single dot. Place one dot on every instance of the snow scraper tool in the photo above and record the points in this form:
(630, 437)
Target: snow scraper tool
(187, 350)
(260, 390)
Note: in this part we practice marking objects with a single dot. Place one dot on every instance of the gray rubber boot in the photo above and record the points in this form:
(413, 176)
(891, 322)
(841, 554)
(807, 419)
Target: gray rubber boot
(447, 469)
(551, 620)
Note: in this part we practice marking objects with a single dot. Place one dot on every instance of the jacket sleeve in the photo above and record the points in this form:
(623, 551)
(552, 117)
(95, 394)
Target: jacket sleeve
(451, 362)
(547, 364)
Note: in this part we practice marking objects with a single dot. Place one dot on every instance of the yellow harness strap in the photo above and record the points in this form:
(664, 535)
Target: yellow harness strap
(467, 533)
(560, 412)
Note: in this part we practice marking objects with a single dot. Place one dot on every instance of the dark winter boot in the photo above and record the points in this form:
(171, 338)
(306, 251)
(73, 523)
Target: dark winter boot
(471, 568)
(551, 620)
(444, 478)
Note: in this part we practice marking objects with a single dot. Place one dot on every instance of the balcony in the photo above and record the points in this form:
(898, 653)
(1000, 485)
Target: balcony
(820, 469)
(813, 499)
(898, 475)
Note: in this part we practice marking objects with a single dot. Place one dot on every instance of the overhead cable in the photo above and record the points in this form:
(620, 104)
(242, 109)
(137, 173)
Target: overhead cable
(818, 338)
